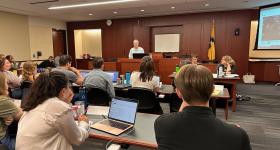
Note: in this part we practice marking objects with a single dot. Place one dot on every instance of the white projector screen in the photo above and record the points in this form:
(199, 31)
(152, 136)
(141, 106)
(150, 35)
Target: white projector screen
(167, 42)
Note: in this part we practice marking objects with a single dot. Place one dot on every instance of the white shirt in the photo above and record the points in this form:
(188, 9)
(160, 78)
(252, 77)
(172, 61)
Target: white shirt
(136, 81)
(133, 50)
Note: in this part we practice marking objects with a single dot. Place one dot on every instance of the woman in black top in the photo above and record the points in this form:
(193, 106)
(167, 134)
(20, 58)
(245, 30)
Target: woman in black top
(229, 64)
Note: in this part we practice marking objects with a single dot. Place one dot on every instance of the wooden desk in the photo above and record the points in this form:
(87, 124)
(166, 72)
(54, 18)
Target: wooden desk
(223, 80)
(143, 134)
(85, 64)
(224, 95)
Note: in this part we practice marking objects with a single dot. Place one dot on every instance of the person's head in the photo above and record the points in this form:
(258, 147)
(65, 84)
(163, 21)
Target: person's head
(48, 85)
(194, 59)
(194, 84)
(10, 58)
(135, 43)
(51, 59)
(29, 69)
(98, 63)
(146, 69)
(3, 84)
(65, 61)
(5, 65)
(227, 60)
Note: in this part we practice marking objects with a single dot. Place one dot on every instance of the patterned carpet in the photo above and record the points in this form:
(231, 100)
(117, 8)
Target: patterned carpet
(260, 117)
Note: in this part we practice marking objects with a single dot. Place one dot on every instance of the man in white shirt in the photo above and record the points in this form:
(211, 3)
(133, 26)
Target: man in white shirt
(135, 49)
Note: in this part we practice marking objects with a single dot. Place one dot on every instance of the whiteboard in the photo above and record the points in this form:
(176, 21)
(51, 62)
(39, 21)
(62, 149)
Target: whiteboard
(167, 42)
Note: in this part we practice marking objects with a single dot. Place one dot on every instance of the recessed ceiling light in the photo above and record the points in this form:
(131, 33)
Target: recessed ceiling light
(142, 10)
(91, 4)
(90, 14)
(206, 5)
(115, 12)
(172, 7)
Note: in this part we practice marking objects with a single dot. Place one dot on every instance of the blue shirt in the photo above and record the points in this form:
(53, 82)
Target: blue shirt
(133, 50)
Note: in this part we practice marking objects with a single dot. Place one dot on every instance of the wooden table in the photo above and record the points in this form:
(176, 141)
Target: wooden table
(143, 134)
(224, 95)
(224, 80)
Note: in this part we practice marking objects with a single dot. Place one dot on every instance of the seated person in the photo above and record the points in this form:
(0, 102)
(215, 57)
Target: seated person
(135, 49)
(228, 64)
(12, 79)
(194, 60)
(48, 121)
(195, 127)
(72, 73)
(49, 63)
(146, 77)
(29, 72)
(98, 78)
(8, 113)
(11, 59)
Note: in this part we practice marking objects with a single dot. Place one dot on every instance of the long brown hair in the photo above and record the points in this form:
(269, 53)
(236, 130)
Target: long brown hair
(3, 88)
(47, 85)
(147, 69)
(28, 70)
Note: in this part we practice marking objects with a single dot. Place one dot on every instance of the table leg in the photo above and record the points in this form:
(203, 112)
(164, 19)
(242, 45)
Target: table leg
(226, 110)
(233, 96)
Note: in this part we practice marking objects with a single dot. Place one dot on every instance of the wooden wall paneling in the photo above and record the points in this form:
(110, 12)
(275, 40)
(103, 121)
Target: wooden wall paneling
(167, 67)
(142, 33)
(265, 71)
(195, 39)
(110, 66)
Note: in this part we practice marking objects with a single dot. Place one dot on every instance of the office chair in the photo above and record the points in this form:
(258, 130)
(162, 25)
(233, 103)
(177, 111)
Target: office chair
(147, 100)
(175, 102)
(15, 93)
(98, 97)
(25, 87)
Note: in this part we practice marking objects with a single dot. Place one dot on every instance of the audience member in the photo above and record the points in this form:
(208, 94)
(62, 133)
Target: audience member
(48, 121)
(136, 49)
(228, 64)
(11, 59)
(12, 79)
(56, 61)
(146, 77)
(195, 126)
(194, 60)
(8, 113)
(72, 73)
(29, 71)
(98, 78)
(49, 63)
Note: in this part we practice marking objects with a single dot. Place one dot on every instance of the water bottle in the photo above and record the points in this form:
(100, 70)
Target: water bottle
(220, 71)
(127, 77)
(177, 68)
(83, 96)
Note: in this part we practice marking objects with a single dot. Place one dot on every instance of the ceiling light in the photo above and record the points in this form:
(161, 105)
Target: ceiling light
(91, 4)
(115, 12)
(142, 10)
(90, 14)
(206, 5)
(172, 7)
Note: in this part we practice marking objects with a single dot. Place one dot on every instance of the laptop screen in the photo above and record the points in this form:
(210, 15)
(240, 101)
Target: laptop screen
(123, 110)
(114, 75)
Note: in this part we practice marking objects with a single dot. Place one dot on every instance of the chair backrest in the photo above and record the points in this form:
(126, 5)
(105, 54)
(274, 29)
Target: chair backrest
(97, 96)
(25, 87)
(175, 102)
(147, 99)
(15, 93)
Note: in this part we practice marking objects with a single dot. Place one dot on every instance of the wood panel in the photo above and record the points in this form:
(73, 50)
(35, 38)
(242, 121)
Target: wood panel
(196, 28)
(110, 66)
(167, 67)
(265, 71)
(59, 42)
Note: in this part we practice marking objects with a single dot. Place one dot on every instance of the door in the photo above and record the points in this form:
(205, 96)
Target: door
(59, 42)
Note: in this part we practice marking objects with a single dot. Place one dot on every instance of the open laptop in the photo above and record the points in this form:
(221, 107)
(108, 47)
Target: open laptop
(139, 55)
(121, 117)
(113, 74)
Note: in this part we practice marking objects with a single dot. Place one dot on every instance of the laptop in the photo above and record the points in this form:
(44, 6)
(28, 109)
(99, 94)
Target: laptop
(84, 73)
(121, 117)
(113, 74)
(139, 55)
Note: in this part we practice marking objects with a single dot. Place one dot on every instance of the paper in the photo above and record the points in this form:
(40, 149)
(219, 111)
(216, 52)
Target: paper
(98, 110)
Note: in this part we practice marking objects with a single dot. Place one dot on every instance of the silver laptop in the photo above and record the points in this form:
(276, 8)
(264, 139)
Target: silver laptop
(121, 117)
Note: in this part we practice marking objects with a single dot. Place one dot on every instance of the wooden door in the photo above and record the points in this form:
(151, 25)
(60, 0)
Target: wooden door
(59, 42)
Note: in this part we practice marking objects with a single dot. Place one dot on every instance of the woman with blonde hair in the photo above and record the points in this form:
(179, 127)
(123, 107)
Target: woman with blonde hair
(228, 64)
(29, 71)
(8, 113)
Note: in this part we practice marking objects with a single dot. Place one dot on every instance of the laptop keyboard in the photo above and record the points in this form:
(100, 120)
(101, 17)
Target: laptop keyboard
(115, 124)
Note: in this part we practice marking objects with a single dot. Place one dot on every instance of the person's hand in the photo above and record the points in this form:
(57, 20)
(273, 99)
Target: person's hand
(83, 118)
(8, 120)
(237, 125)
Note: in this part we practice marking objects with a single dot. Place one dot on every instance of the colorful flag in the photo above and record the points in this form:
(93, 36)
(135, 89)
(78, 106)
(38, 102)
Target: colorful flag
(211, 50)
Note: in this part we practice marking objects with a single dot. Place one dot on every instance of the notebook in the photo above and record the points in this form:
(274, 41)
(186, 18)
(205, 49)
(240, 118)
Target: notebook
(121, 116)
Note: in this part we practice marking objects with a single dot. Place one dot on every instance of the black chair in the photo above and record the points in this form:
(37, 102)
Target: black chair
(175, 102)
(15, 93)
(3, 147)
(25, 87)
(147, 100)
(98, 97)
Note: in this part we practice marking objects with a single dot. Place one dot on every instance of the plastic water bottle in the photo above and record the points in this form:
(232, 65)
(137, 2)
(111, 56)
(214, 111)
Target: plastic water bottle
(220, 72)
(83, 96)
(177, 68)
(127, 77)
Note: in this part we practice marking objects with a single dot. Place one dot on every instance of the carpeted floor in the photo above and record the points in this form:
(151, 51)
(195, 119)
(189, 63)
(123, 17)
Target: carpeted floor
(260, 117)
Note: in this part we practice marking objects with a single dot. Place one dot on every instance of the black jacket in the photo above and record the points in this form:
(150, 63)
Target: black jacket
(196, 128)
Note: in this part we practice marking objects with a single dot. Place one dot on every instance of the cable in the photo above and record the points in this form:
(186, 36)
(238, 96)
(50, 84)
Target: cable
(126, 134)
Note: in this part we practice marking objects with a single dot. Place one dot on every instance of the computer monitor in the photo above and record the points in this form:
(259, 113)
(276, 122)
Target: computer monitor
(139, 55)
(113, 74)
